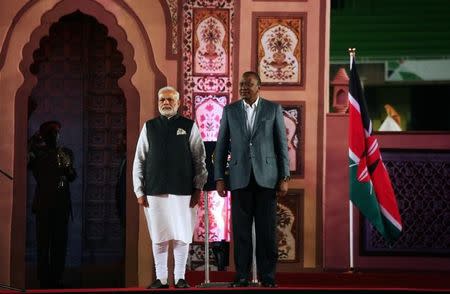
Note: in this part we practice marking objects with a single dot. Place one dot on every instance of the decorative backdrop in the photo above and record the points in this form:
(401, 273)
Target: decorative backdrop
(211, 41)
(208, 112)
(289, 223)
(422, 187)
(206, 87)
(279, 50)
(294, 119)
(173, 41)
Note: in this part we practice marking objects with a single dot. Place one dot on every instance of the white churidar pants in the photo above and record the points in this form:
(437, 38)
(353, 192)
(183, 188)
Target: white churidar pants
(169, 217)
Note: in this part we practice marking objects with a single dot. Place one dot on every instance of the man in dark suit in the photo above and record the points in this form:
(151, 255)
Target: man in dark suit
(253, 130)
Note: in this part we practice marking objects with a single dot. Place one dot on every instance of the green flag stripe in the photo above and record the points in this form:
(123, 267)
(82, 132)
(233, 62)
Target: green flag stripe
(363, 196)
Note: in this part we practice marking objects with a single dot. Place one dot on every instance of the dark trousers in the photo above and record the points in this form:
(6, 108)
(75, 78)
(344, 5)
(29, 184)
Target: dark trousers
(261, 204)
(51, 234)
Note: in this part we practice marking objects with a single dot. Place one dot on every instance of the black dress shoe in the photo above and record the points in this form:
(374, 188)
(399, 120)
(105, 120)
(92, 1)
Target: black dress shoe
(268, 284)
(182, 284)
(158, 285)
(240, 283)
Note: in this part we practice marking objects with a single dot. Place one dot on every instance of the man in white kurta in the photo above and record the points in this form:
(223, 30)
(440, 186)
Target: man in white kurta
(169, 172)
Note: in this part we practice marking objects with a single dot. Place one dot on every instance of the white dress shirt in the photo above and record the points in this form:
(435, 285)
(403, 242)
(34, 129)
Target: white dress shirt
(251, 113)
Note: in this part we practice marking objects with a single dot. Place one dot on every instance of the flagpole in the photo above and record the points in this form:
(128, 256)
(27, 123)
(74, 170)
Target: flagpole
(352, 53)
(207, 283)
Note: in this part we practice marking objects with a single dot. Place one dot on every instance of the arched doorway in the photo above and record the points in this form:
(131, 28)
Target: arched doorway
(142, 79)
(77, 67)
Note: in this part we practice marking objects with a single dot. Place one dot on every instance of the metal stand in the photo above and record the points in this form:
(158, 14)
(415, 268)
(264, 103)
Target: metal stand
(207, 283)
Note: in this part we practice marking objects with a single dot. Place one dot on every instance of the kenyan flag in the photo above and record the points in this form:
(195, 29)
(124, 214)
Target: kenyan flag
(370, 187)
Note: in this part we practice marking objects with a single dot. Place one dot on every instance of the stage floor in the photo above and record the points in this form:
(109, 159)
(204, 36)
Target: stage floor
(324, 282)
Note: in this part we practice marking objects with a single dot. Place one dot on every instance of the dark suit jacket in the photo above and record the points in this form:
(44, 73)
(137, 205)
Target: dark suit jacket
(264, 149)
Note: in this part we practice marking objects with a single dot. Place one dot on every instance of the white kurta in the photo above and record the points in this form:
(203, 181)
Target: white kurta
(169, 217)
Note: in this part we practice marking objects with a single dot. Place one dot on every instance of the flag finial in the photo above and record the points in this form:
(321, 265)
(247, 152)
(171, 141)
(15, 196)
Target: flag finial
(352, 51)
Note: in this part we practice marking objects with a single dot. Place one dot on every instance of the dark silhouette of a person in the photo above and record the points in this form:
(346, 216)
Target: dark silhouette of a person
(52, 167)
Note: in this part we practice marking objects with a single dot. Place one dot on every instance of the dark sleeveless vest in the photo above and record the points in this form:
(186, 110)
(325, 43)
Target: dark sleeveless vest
(168, 165)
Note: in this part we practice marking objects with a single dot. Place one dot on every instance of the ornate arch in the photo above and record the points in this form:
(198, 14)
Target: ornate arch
(131, 93)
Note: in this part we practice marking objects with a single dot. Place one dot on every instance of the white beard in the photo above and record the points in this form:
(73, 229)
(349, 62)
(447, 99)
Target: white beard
(168, 113)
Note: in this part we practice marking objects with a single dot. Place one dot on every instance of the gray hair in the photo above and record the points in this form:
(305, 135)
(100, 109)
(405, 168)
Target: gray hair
(169, 88)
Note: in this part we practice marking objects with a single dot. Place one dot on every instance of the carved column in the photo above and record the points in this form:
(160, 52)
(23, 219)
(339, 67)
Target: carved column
(340, 91)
